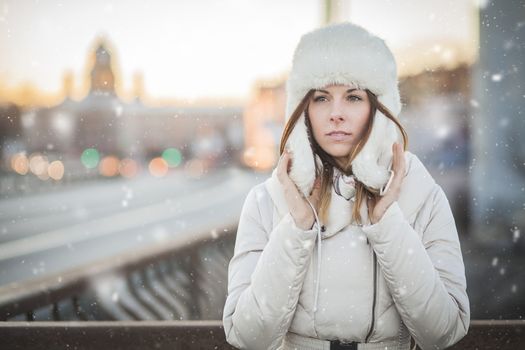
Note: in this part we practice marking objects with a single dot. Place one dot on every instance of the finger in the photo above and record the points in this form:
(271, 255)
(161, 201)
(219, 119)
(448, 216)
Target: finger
(394, 154)
(317, 187)
(400, 160)
(282, 164)
(394, 157)
(399, 166)
(315, 194)
(285, 157)
(284, 167)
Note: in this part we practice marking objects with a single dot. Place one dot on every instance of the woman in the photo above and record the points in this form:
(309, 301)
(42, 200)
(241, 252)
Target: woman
(350, 244)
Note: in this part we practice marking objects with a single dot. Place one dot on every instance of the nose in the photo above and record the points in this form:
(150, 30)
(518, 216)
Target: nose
(336, 113)
(337, 118)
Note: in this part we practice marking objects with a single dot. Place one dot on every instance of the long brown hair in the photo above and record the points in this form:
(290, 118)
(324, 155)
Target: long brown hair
(326, 174)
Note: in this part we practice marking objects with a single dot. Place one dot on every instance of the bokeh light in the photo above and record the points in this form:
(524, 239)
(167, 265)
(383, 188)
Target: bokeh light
(128, 167)
(259, 158)
(90, 158)
(20, 163)
(109, 166)
(38, 164)
(158, 167)
(172, 156)
(56, 170)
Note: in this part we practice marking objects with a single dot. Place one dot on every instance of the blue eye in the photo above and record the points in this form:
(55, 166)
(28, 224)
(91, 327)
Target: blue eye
(350, 97)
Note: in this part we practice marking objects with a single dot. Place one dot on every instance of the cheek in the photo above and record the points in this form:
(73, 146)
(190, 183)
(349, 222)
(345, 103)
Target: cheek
(316, 127)
(316, 121)
(361, 117)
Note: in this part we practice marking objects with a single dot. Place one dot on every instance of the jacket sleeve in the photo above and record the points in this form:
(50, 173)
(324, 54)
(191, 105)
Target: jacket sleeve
(425, 276)
(265, 277)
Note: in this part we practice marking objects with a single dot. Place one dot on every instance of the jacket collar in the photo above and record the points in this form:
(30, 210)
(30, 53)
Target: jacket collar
(415, 188)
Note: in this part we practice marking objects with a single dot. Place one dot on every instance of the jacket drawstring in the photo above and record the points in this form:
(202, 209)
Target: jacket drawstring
(318, 255)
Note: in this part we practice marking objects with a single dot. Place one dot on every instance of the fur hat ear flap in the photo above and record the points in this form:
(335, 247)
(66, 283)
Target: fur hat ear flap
(371, 164)
(302, 171)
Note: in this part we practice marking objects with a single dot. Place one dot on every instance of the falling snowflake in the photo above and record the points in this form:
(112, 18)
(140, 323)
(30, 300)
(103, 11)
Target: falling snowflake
(496, 77)
(118, 110)
(402, 290)
(515, 234)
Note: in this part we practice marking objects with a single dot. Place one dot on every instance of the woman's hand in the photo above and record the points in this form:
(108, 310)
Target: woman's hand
(377, 209)
(299, 208)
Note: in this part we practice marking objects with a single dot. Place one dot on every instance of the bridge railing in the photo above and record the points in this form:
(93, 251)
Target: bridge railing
(184, 278)
(188, 335)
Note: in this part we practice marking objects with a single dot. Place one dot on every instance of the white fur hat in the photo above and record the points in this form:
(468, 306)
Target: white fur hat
(344, 53)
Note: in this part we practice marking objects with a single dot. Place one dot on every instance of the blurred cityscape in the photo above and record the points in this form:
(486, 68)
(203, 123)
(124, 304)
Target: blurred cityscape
(103, 136)
(85, 179)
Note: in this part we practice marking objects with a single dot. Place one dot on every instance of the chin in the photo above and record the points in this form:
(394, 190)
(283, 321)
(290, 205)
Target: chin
(338, 150)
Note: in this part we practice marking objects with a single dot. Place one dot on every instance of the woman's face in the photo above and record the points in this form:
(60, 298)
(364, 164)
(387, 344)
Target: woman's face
(339, 117)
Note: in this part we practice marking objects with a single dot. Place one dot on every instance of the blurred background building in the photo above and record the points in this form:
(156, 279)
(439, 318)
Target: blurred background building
(123, 136)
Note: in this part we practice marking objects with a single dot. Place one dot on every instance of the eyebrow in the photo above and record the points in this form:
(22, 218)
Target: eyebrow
(326, 92)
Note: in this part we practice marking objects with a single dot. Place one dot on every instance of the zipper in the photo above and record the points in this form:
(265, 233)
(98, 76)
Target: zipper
(374, 299)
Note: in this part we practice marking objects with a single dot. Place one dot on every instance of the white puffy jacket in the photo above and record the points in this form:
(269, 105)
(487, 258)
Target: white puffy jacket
(414, 251)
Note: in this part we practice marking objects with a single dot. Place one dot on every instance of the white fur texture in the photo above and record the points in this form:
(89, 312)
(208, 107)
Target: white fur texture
(344, 53)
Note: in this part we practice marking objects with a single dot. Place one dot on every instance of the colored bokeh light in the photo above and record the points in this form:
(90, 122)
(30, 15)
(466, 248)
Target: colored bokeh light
(158, 167)
(90, 158)
(20, 163)
(172, 156)
(55, 170)
(109, 166)
(128, 167)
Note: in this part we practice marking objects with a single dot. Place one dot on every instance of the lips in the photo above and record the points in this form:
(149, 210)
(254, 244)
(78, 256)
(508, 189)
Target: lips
(339, 135)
